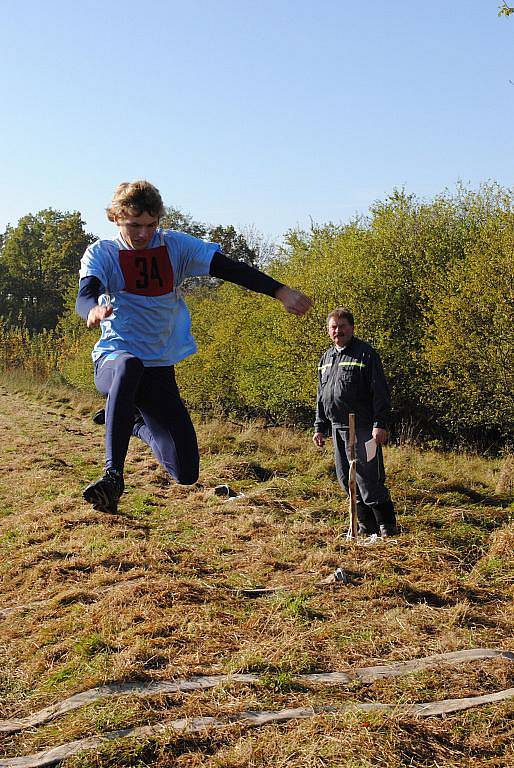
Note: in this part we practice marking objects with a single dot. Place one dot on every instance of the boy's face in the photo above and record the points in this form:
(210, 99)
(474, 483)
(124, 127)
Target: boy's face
(137, 231)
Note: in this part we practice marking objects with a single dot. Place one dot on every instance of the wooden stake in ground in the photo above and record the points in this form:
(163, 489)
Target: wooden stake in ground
(352, 484)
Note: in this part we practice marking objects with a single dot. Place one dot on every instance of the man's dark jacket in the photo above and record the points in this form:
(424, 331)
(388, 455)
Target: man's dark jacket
(352, 381)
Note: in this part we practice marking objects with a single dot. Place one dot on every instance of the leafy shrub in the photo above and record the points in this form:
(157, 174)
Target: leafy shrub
(430, 284)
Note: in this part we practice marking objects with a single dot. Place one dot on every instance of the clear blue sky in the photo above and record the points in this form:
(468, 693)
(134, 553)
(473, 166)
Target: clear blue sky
(252, 113)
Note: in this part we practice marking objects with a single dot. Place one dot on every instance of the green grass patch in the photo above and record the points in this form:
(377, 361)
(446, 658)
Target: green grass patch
(92, 645)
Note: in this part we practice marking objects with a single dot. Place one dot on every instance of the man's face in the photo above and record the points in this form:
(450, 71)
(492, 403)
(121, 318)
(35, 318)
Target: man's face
(137, 231)
(340, 331)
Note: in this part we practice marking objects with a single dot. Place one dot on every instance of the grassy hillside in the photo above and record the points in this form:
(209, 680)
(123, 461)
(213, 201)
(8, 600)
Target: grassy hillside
(167, 589)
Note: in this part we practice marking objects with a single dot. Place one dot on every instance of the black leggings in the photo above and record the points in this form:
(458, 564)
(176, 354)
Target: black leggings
(165, 424)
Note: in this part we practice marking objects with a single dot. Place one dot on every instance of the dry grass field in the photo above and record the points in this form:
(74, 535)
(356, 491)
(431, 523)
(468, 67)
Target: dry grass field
(168, 589)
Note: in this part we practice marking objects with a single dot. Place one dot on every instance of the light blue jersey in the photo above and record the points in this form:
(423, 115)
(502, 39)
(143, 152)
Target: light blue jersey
(154, 328)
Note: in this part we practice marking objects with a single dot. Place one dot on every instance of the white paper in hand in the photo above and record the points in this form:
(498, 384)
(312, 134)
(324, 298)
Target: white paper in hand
(371, 449)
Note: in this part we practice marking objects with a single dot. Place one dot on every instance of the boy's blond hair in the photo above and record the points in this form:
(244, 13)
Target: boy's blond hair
(132, 198)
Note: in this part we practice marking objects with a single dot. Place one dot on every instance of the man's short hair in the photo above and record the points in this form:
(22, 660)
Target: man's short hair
(341, 313)
(132, 198)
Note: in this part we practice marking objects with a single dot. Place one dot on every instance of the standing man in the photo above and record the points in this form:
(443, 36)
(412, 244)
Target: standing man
(130, 287)
(351, 380)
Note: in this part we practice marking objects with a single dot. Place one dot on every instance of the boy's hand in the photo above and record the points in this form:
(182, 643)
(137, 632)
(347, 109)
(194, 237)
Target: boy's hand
(96, 314)
(293, 301)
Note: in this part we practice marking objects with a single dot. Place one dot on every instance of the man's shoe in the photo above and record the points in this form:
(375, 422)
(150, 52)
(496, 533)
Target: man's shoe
(385, 518)
(366, 520)
(105, 493)
(388, 531)
(363, 531)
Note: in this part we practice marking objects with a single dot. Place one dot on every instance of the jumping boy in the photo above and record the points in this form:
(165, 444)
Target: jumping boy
(129, 287)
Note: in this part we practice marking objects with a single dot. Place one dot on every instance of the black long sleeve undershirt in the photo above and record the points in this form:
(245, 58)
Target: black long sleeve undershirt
(242, 274)
(221, 267)
(90, 289)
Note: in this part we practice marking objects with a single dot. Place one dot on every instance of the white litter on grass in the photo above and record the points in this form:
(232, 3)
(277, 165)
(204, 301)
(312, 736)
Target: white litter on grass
(229, 493)
(374, 539)
(339, 576)
(235, 498)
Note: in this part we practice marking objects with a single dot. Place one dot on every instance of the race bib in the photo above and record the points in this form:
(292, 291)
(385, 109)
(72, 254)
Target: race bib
(147, 272)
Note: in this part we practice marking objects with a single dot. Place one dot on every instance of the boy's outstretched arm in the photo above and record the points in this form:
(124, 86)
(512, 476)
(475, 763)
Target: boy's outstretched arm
(248, 277)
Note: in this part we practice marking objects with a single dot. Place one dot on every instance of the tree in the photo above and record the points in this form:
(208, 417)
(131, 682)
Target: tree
(232, 243)
(470, 343)
(4, 289)
(176, 219)
(265, 248)
(39, 258)
(505, 10)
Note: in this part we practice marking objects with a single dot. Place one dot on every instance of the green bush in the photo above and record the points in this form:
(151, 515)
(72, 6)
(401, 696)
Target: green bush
(75, 363)
(430, 284)
(469, 346)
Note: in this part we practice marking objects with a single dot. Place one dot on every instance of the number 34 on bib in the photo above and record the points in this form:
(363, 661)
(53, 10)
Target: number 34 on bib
(147, 272)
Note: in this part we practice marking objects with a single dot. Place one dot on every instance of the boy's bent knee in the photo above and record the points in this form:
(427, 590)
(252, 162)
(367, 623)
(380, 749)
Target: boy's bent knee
(187, 476)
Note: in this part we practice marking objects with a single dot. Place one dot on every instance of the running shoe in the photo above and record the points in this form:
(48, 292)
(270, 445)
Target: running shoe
(105, 493)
